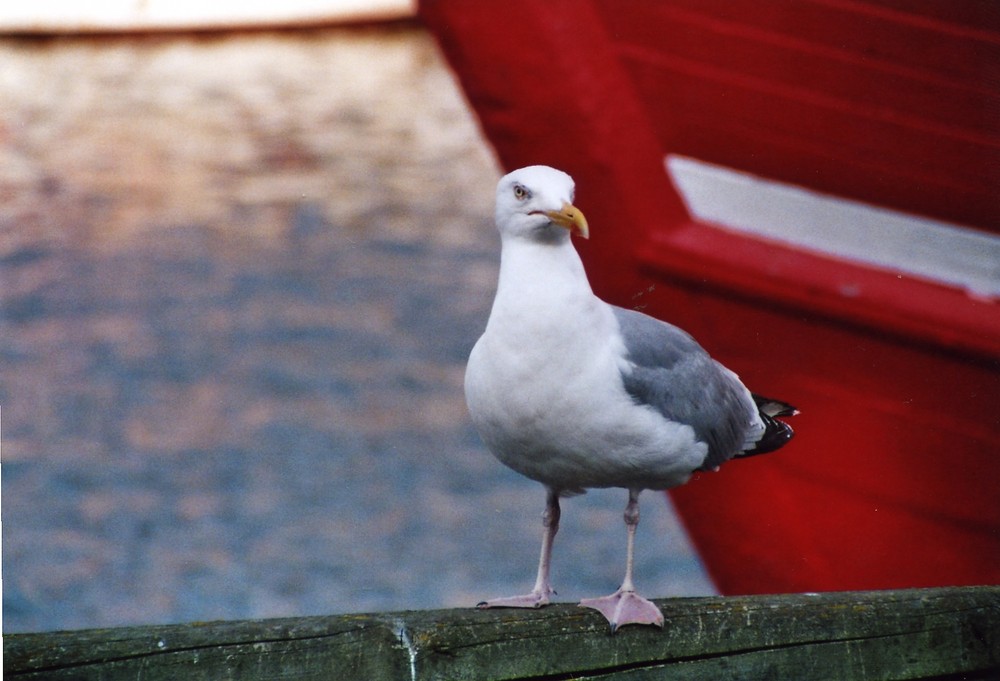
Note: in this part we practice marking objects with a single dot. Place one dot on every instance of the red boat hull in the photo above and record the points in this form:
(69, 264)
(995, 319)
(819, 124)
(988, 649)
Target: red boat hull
(893, 479)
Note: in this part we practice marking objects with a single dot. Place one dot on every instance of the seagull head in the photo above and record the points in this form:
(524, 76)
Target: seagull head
(536, 203)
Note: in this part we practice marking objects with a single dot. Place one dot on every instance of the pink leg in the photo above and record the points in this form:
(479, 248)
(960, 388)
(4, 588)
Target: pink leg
(539, 595)
(625, 606)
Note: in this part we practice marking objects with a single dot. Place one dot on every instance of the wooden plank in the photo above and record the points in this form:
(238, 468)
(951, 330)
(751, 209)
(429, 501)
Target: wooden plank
(910, 308)
(300, 648)
(772, 44)
(955, 38)
(798, 92)
(910, 634)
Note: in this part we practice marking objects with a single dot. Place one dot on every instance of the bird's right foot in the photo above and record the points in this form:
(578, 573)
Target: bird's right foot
(625, 606)
(536, 599)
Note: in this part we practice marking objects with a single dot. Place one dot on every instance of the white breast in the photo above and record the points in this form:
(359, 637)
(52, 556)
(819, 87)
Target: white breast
(544, 389)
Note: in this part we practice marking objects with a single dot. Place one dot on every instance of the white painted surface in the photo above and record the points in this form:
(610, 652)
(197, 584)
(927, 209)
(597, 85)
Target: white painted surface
(63, 16)
(908, 244)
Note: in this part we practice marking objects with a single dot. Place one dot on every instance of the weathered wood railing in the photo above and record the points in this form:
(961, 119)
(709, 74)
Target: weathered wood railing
(938, 633)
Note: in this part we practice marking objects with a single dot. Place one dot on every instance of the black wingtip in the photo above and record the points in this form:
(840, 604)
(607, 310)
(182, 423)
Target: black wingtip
(776, 433)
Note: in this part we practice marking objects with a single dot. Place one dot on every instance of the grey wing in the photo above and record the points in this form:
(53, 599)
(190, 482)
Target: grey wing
(674, 375)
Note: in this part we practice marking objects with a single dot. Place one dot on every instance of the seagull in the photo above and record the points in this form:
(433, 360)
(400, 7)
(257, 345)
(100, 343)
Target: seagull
(576, 393)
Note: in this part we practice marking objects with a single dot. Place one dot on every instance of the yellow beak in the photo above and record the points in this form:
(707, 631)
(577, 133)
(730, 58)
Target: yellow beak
(570, 217)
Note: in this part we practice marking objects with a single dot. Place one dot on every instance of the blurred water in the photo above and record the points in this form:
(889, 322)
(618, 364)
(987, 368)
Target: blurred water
(239, 279)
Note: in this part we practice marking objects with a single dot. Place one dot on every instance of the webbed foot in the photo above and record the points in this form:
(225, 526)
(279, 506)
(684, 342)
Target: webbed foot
(625, 607)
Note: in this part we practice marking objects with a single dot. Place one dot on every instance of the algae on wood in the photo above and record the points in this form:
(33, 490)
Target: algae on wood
(908, 634)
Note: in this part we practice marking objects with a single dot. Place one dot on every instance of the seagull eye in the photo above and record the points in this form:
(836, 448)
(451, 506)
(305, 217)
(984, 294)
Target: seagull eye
(520, 193)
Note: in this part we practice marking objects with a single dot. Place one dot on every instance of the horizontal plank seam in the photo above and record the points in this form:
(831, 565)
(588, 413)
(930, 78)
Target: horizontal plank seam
(827, 642)
(802, 94)
(172, 651)
(912, 19)
(663, 662)
(776, 37)
(728, 654)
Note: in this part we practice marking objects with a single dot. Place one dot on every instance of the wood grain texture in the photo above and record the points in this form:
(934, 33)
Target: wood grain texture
(909, 634)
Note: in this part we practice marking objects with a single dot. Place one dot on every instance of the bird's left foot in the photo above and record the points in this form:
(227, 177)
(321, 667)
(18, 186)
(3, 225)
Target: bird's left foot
(625, 607)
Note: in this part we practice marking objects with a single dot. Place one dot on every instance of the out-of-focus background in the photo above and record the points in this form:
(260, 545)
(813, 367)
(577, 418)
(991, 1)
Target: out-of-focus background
(240, 273)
